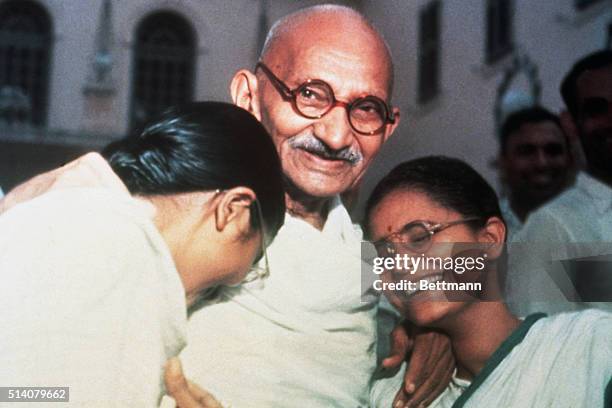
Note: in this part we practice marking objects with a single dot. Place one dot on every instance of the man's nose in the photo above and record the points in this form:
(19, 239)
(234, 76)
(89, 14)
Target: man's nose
(334, 129)
(542, 158)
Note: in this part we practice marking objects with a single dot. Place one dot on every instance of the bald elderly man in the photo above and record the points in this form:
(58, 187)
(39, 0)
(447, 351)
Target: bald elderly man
(304, 337)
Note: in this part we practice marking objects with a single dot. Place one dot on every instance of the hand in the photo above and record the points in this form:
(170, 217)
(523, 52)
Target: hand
(185, 393)
(430, 366)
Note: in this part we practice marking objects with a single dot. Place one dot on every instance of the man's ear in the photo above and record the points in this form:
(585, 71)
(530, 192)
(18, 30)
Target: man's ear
(392, 126)
(494, 232)
(243, 89)
(232, 209)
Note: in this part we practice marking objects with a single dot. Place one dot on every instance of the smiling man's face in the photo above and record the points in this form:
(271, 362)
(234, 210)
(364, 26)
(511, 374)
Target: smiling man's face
(324, 157)
(537, 162)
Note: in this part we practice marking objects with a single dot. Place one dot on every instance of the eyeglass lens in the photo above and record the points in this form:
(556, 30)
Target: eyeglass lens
(316, 98)
(413, 237)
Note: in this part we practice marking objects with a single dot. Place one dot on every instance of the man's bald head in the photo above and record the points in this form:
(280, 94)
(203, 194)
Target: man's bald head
(321, 55)
(321, 25)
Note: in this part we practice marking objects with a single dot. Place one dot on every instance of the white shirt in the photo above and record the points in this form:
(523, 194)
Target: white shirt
(583, 213)
(576, 224)
(90, 298)
(300, 338)
(560, 361)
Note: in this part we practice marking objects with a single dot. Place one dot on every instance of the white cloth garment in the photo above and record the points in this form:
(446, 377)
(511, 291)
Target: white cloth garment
(581, 217)
(301, 337)
(583, 213)
(90, 298)
(562, 361)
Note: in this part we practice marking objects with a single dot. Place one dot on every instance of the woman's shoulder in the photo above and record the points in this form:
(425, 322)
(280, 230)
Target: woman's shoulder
(576, 339)
(587, 323)
(82, 206)
(83, 219)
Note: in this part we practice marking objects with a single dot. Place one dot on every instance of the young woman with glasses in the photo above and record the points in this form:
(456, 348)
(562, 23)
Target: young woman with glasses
(101, 258)
(430, 207)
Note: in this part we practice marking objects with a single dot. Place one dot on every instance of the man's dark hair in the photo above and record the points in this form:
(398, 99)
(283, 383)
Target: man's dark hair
(203, 146)
(569, 91)
(449, 182)
(517, 119)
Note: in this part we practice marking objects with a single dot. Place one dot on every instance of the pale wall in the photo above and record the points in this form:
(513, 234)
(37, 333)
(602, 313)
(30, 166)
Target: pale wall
(460, 121)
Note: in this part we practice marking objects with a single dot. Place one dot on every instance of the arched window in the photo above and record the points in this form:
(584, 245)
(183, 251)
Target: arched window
(163, 66)
(25, 50)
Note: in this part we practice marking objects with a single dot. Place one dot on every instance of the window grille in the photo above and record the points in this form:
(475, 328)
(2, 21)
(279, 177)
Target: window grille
(163, 66)
(25, 51)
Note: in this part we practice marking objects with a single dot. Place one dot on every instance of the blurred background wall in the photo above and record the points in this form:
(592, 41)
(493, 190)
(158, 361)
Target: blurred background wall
(75, 74)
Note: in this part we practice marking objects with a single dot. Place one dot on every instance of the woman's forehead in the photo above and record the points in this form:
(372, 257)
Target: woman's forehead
(405, 205)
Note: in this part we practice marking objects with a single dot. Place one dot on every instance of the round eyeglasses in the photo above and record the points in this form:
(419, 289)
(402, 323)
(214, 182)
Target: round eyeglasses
(415, 237)
(315, 98)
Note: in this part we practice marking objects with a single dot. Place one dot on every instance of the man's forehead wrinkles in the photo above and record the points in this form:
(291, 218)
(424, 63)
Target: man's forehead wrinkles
(339, 73)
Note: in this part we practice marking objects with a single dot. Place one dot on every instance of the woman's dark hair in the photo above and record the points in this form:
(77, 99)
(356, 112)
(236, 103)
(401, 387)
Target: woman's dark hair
(203, 146)
(449, 182)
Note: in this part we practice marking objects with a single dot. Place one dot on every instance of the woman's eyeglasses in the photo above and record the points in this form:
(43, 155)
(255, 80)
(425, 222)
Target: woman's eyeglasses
(415, 237)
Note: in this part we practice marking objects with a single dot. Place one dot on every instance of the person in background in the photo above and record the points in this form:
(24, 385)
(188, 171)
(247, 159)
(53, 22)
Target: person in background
(535, 163)
(578, 223)
(97, 276)
(433, 204)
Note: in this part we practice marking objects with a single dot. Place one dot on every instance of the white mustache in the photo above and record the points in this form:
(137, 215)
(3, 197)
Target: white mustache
(314, 145)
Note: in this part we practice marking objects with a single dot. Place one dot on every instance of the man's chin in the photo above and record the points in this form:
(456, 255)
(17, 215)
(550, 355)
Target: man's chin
(541, 195)
(316, 186)
(545, 191)
(321, 191)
